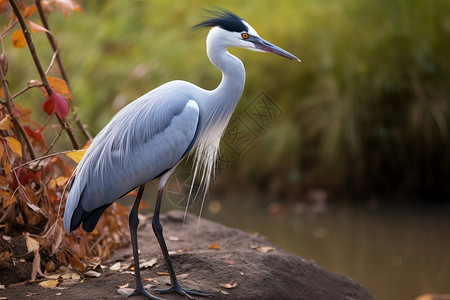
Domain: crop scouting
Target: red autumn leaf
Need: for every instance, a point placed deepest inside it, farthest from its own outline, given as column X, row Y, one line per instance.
column 56, row 104
column 22, row 175
column 34, row 134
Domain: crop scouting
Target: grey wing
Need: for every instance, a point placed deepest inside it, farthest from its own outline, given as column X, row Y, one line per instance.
column 144, row 140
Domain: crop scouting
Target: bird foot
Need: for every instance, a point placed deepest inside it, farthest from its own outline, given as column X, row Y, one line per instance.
column 185, row 292
column 143, row 292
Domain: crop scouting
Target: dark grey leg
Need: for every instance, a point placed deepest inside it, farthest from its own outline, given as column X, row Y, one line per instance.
column 134, row 222
column 175, row 286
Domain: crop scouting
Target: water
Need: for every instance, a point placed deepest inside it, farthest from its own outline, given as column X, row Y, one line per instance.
column 396, row 253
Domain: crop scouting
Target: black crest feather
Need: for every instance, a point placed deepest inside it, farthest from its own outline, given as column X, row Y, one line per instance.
column 225, row 19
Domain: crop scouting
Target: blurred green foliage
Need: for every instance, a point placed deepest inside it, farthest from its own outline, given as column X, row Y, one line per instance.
column 366, row 112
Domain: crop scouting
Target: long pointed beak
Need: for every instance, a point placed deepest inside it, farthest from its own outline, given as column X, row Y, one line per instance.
column 265, row 46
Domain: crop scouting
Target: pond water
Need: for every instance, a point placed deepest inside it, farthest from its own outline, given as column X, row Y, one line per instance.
column 396, row 253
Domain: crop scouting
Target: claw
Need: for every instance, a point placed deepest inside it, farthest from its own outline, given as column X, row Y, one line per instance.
column 184, row 292
column 143, row 292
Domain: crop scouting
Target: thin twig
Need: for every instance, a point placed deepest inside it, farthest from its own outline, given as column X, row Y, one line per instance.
column 26, row 89
column 44, row 157
column 54, row 141
column 40, row 70
column 11, row 26
column 16, row 121
column 52, row 62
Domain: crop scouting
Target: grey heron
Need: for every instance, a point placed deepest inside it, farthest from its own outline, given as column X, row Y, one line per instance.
column 149, row 137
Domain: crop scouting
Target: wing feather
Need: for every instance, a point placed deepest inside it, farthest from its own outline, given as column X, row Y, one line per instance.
column 145, row 139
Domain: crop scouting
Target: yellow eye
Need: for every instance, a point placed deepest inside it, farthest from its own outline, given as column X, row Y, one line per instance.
column 244, row 35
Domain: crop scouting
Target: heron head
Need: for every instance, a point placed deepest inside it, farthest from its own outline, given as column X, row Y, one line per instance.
column 232, row 31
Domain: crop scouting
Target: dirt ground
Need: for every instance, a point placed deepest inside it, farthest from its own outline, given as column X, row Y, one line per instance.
column 227, row 262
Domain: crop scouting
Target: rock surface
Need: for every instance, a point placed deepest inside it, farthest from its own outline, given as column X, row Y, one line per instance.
column 228, row 262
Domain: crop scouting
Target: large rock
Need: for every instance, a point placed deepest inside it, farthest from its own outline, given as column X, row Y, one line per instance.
column 260, row 269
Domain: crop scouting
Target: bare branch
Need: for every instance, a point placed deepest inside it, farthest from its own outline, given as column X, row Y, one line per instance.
column 40, row 70
column 54, row 45
column 16, row 121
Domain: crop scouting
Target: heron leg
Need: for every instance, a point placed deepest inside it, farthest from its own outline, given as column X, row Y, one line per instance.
column 134, row 222
column 175, row 286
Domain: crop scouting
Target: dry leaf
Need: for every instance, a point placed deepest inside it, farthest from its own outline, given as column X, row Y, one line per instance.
column 92, row 273
column 229, row 262
column 125, row 292
column 231, row 285
column 15, row 146
column 7, row 201
column 175, row 239
column 115, row 267
column 29, row 11
column 61, row 180
column 162, row 273
column 32, row 244
column 18, row 39
column 49, row 283
column 6, row 123
column 76, row 155
column 263, row 249
column 183, row 276
column 36, row 27
column 124, row 286
column 59, row 86
column 53, row 276
column 214, row 246
column 224, row 293
column 5, row 255
column 76, row 264
column 148, row 264
column 36, row 267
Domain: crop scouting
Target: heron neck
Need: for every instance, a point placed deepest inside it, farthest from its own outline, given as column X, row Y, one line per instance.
column 230, row 89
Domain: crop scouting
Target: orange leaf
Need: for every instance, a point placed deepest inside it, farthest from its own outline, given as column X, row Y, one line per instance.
column 18, row 39
column 7, row 201
column 7, row 167
column 6, row 123
column 36, row 27
column 29, row 11
column 77, row 265
column 15, row 146
column 61, row 180
column 5, row 194
column 2, row 93
column 214, row 246
column 59, row 86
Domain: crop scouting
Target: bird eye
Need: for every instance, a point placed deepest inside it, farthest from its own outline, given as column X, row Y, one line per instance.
column 244, row 35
